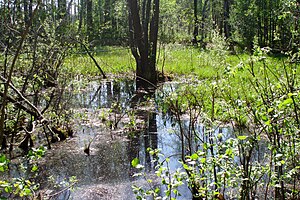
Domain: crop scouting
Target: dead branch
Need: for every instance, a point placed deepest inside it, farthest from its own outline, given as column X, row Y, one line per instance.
column 91, row 56
column 37, row 112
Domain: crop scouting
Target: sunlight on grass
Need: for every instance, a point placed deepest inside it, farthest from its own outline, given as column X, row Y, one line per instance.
column 111, row 60
column 171, row 59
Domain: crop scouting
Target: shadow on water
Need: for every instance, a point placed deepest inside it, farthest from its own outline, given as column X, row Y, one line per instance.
column 107, row 172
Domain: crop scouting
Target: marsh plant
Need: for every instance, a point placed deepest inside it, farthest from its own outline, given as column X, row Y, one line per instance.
column 22, row 186
column 259, row 103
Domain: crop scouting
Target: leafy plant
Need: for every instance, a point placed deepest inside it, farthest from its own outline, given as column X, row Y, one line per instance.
column 23, row 186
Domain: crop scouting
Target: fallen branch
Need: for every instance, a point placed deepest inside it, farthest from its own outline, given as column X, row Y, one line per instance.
column 61, row 191
column 91, row 56
column 37, row 112
column 19, row 105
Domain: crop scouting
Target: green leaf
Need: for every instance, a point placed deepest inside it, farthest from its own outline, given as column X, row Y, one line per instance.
column 202, row 160
column 205, row 146
column 270, row 110
column 157, row 190
column 8, row 189
column 34, row 168
column 3, row 158
column 135, row 162
column 229, row 152
column 185, row 166
column 194, row 156
column 242, row 137
column 286, row 102
column 27, row 191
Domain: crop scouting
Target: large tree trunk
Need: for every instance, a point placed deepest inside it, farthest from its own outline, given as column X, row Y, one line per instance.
column 143, row 42
column 26, row 17
column 205, row 9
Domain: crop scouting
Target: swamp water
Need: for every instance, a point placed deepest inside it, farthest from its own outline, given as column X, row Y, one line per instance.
column 107, row 173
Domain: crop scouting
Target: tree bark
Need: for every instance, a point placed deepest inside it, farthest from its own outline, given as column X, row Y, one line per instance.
column 226, row 18
column 143, row 42
column 196, row 23
column 89, row 20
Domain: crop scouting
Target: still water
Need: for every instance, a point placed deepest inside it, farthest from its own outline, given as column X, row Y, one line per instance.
column 107, row 172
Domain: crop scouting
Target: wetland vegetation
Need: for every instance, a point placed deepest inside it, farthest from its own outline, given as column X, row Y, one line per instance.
column 161, row 99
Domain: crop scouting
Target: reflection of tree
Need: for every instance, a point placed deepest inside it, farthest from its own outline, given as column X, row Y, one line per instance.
column 108, row 94
column 95, row 96
column 116, row 90
column 133, row 152
column 136, row 149
column 150, row 138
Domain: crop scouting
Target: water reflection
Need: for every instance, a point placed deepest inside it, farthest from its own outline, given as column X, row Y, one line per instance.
column 107, row 172
column 108, row 168
column 103, row 94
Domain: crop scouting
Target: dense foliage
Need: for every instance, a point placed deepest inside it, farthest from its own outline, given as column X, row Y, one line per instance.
column 258, row 159
column 105, row 22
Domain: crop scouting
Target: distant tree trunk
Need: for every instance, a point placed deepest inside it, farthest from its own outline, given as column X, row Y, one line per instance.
column 26, row 16
column 107, row 6
column 196, row 23
column 204, row 16
column 89, row 20
column 226, row 18
column 62, row 9
column 259, row 21
column 100, row 13
column 266, row 24
column 30, row 9
column 143, row 42
column 81, row 14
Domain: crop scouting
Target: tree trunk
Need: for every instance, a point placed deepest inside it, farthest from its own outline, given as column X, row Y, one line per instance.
column 26, row 16
column 81, row 14
column 62, row 9
column 226, row 18
column 89, row 20
column 205, row 9
column 143, row 42
column 196, row 23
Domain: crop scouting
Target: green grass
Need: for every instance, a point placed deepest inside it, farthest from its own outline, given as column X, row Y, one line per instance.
column 111, row 59
column 177, row 60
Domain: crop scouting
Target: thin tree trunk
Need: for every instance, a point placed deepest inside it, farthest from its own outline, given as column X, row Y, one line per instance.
column 196, row 23
column 89, row 20
column 226, row 18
